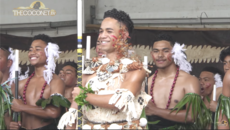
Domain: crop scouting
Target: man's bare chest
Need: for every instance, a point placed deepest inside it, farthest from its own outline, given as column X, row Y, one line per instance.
column 165, row 92
column 34, row 91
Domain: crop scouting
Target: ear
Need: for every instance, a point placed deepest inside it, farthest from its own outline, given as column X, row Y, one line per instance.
column 9, row 63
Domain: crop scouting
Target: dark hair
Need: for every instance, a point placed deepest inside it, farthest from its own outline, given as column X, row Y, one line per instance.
column 122, row 17
column 5, row 49
column 164, row 36
column 72, row 64
column 224, row 53
column 213, row 70
column 43, row 37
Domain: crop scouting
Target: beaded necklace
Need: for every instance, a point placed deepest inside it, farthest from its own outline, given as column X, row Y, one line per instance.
column 27, row 82
column 171, row 92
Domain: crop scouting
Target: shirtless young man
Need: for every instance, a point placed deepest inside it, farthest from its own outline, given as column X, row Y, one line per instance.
column 70, row 77
column 129, row 89
column 209, row 77
column 225, row 59
column 222, row 120
column 5, row 65
column 39, row 87
column 169, row 85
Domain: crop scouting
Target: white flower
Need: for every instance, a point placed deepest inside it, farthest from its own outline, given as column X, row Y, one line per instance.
column 143, row 122
column 115, row 126
column 86, row 127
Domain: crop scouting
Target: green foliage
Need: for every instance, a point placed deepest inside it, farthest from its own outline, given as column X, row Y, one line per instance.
column 80, row 99
column 224, row 107
column 6, row 98
column 56, row 100
column 200, row 114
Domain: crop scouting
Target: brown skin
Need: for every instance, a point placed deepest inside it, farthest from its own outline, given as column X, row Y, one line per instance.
column 166, row 72
column 207, row 82
column 61, row 74
column 225, row 92
column 98, row 50
column 132, row 79
column 226, row 63
column 70, row 78
column 5, row 65
column 32, row 115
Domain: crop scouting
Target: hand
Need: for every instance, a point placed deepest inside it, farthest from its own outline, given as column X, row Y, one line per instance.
column 151, row 108
column 16, row 105
column 76, row 91
column 212, row 106
column 15, row 125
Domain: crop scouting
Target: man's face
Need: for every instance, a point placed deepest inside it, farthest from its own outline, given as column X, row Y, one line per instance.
column 61, row 74
column 226, row 63
column 37, row 56
column 207, row 82
column 99, row 51
column 161, row 54
column 69, row 75
column 5, row 64
column 108, row 34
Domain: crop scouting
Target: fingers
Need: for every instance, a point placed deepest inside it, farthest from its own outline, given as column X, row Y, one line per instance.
column 15, row 125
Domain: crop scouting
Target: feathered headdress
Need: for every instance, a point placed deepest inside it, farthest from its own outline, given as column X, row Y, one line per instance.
column 12, row 68
column 180, row 58
column 218, row 81
column 52, row 53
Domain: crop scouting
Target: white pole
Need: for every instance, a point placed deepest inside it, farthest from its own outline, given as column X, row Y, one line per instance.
column 214, row 93
column 88, row 47
column 83, row 63
column 79, row 18
column 83, row 16
column 146, row 62
column 16, row 60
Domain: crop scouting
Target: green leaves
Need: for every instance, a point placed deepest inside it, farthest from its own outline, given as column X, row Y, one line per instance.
column 200, row 114
column 80, row 99
column 6, row 98
column 224, row 107
column 56, row 100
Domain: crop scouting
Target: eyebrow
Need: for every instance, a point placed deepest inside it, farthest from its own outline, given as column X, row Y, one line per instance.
column 106, row 29
column 162, row 49
column 36, row 47
column 69, row 70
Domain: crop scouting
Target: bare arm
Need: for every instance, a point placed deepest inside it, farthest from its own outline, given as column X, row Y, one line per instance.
column 57, row 86
column 191, row 87
column 133, row 82
column 226, row 84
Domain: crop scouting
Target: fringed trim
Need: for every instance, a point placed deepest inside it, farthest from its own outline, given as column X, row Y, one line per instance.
column 68, row 118
column 125, row 101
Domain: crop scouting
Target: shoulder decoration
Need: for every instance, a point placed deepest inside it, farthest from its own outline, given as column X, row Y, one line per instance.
column 224, row 107
column 203, row 117
column 180, row 59
column 52, row 53
column 55, row 99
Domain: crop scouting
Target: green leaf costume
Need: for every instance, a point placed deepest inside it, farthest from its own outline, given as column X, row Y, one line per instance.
column 224, row 107
column 200, row 114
